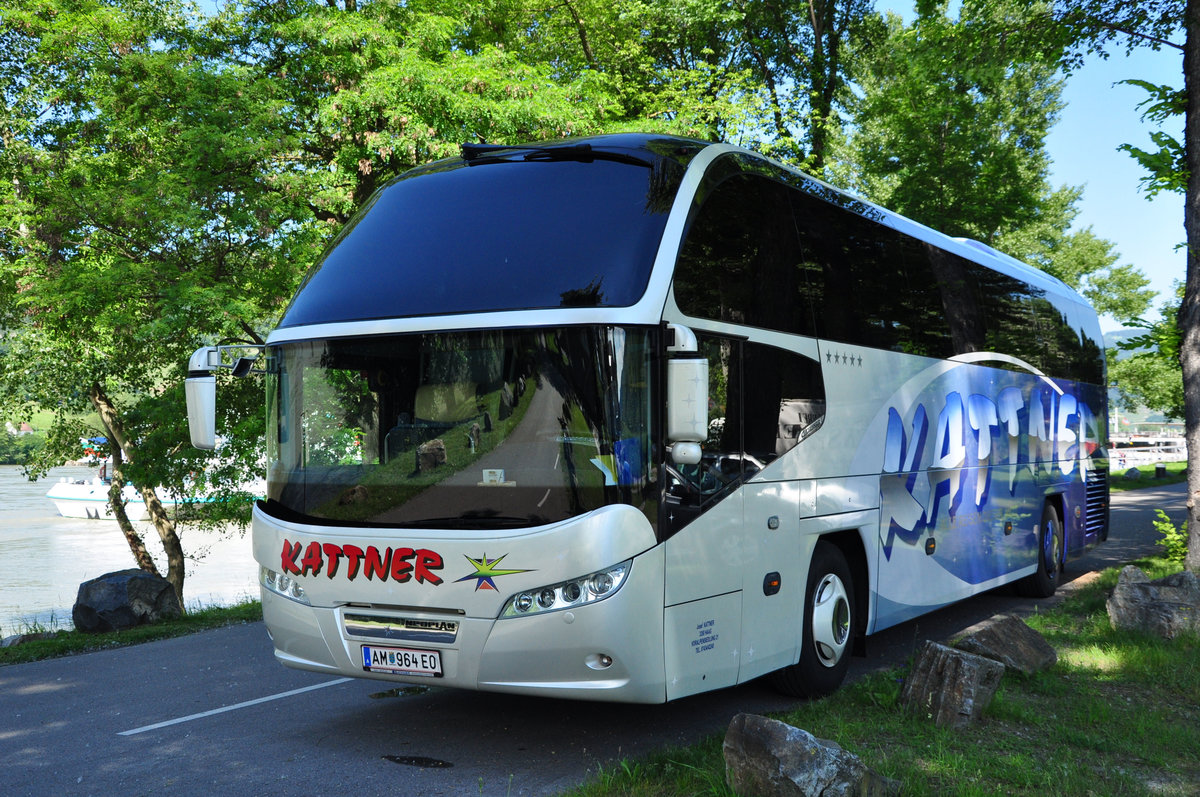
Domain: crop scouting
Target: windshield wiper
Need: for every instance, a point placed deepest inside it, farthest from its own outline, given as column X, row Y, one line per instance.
column 479, row 154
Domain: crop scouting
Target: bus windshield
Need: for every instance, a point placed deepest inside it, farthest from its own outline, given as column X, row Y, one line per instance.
column 503, row 235
column 484, row 430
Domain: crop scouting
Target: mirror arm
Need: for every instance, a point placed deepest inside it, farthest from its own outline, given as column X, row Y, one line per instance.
column 200, row 389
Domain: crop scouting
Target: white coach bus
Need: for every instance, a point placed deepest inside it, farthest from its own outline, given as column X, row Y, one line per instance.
column 635, row 417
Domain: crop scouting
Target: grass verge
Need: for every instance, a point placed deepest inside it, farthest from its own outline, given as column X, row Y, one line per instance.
column 1176, row 473
column 1118, row 715
column 68, row 643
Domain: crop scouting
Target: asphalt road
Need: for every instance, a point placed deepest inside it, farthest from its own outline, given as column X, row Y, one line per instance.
column 214, row 714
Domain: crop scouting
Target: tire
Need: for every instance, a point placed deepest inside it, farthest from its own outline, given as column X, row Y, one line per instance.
column 830, row 617
column 1044, row 582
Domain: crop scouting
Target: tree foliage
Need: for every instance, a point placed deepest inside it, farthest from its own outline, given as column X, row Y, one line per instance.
column 140, row 225
column 1096, row 26
column 1145, row 368
column 951, row 132
column 954, row 116
column 1166, row 167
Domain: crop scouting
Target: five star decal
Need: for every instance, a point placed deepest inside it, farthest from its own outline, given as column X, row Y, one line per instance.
column 841, row 358
column 486, row 570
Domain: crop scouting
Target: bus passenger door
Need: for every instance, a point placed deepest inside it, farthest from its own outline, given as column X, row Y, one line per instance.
column 702, row 513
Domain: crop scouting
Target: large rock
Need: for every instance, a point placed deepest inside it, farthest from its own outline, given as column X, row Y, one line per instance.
column 769, row 758
column 1008, row 640
column 951, row 687
column 124, row 599
column 1164, row 608
column 21, row 639
column 431, row 455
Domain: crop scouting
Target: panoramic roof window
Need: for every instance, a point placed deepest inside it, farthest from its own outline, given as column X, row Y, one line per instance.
column 501, row 233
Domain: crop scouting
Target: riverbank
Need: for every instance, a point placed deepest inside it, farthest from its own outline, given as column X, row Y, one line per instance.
column 47, row 556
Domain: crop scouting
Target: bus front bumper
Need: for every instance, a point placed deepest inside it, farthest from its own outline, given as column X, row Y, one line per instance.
column 611, row 650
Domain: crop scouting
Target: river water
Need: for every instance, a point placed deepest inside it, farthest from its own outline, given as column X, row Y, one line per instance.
column 44, row 557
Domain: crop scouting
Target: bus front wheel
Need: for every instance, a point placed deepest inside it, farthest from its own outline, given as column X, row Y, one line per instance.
column 1044, row 581
column 829, row 621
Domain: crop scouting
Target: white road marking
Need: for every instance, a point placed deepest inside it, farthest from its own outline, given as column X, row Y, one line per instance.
column 222, row 710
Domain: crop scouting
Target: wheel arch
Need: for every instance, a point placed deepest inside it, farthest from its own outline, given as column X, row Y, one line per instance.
column 850, row 542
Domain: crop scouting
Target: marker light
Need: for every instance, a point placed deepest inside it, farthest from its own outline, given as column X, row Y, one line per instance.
column 568, row 594
column 282, row 584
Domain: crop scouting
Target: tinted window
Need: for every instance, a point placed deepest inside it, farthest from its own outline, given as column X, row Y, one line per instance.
column 872, row 286
column 500, row 235
column 785, row 403
column 420, row 430
column 741, row 261
column 773, row 249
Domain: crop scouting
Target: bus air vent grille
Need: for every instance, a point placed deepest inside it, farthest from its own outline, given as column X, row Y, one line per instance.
column 1096, row 506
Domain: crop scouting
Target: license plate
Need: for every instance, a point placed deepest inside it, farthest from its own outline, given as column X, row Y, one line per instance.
column 402, row 661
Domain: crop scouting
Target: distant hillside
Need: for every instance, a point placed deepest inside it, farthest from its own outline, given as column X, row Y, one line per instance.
column 1117, row 335
column 1111, row 339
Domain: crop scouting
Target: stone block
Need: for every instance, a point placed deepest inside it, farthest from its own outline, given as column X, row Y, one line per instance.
column 1165, row 608
column 951, row 687
column 1008, row 640
column 769, row 758
column 124, row 599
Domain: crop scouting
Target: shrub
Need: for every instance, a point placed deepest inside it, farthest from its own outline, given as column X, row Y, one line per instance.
column 1175, row 540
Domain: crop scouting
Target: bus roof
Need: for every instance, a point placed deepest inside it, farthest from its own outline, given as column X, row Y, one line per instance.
column 515, row 229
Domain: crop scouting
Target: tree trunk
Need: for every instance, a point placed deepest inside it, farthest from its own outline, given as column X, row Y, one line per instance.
column 111, row 418
column 583, row 37
column 170, row 539
column 136, row 545
column 1189, row 310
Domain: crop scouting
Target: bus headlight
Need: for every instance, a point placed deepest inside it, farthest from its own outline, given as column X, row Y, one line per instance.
column 282, row 584
column 568, row 594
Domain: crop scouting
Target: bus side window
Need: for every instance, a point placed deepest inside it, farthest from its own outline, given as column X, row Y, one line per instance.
column 786, row 404
column 762, row 402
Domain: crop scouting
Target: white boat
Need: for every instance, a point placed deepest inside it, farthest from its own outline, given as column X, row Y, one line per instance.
column 88, row 498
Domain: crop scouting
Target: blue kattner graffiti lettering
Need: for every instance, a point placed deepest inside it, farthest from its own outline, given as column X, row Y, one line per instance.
column 975, row 437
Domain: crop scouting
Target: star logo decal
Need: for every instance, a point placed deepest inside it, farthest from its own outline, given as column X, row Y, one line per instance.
column 486, row 570
column 842, row 358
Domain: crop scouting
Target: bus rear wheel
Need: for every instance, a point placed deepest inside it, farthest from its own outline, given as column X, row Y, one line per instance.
column 829, row 621
column 1044, row 581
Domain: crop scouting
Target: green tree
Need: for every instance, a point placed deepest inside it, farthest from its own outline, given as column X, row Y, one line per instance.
column 954, row 116
column 1145, row 368
column 139, row 226
column 798, row 53
column 371, row 90
column 1096, row 26
column 951, row 133
column 768, row 75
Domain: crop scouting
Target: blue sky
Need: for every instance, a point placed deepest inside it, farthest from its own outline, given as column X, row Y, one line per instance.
column 1100, row 116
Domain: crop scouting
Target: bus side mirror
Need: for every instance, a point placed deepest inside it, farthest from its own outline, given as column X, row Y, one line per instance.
column 687, row 408
column 201, row 391
column 687, row 398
